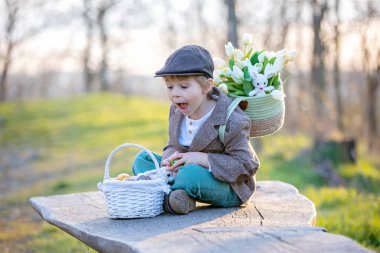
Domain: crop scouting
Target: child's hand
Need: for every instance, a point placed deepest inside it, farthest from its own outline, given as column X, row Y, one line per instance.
column 170, row 160
column 198, row 158
column 165, row 163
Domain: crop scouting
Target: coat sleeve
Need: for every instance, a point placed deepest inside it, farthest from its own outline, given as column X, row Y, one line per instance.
column 169, row 149
column 238, row 159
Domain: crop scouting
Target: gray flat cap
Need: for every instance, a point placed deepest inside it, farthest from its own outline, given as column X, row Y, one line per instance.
column 188, row 60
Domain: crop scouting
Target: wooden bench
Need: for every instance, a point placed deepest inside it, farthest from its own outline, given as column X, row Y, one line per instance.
column 278, row 219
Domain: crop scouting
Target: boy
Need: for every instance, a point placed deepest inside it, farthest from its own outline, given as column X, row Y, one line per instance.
column 207, row 170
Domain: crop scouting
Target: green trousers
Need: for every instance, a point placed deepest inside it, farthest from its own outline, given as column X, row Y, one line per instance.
column 196, row 180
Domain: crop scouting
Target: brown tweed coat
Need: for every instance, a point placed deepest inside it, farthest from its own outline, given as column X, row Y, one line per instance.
column 235, row 162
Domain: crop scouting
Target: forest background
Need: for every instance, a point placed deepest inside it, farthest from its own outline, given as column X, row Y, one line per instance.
column 74, row 72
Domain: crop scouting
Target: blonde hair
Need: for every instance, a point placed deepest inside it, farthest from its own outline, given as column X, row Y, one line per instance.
column 201, row 80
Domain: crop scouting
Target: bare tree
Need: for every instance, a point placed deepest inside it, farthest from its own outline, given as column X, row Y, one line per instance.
column 370, row 42
column 102, row 10
column 137, row 17
column 298, row 86
column 202, row 23
column 12, row 10
column 88, row 74
column 336, row 71
column 270, row 27
column 278, row 24
column 170, row 28
column 232, row 22
column 319, row 8
column 285, row 23
column 23, row 20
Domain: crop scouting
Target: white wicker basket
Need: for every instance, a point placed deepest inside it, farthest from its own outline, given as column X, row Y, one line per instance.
column 134, row 199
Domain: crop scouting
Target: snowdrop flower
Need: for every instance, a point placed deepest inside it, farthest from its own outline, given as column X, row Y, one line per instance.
column 255, row 70
column 286, row 55
column 239, row 54
column 226, row 72
column 290, row 56
column 229, row 49
column 223, row 87
column 281, row 53
column 239, row 63
column 229, row 79
column 219, row 63
column 216, row 76
column 262, row 56
column 277, row 94
column 247, row 39
column 237, row 75
column 217, row 72
column 247, row 63
column 271, row 55
column 258, row 66
column 272, row 69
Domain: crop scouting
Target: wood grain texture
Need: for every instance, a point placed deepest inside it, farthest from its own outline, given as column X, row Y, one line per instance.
column 278, row 219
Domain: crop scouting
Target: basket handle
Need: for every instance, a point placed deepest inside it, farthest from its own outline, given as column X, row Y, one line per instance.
column 106, row 167
column 231, row 108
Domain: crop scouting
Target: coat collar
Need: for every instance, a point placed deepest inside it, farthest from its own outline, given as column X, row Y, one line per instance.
column 219, row 115
column 208, row 131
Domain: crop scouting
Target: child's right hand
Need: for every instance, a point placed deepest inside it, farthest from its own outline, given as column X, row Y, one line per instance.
column 167, row 162
column 170, row 161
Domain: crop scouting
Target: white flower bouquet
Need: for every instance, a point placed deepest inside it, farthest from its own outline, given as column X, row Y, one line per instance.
column 254, row 77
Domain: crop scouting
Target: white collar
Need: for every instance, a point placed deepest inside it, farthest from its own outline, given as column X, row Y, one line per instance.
column 200, row 121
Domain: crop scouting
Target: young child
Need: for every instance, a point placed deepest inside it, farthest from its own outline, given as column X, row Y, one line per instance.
column 207, row 170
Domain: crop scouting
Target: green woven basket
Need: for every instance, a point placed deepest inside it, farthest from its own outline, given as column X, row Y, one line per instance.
column 266, row 113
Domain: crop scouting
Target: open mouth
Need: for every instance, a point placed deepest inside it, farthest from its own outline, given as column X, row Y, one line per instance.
column 182, row 106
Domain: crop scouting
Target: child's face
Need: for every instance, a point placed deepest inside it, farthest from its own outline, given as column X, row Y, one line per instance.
column 189, row 97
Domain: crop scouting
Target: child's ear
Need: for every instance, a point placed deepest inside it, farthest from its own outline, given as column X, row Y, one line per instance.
column 210, row 85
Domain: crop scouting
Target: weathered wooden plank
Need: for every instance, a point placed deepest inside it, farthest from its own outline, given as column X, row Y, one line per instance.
column 250, row 239
column 267, row 224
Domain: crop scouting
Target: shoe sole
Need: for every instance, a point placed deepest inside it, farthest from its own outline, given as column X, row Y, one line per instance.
column 180, row 202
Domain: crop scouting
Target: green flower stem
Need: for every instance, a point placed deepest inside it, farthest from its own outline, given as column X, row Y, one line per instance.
column 271, row 80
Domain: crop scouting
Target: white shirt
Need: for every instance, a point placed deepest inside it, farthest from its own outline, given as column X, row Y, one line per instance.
column 190, row 127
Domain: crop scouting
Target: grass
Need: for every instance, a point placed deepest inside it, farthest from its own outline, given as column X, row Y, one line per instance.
column 57, row 147
column 352, row 210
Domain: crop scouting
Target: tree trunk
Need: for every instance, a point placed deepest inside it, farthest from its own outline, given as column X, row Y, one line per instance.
column 338, row 97
column 88, row 75
column 202, row 23
column 371, row 66
column 271, row 28
column 3, row 88
column 103, row 72
column 318, row 65
column 4, row 72
column 11, row 12
column 170, row 31
column 232, row 22
column 285, row 24
column 373, row 84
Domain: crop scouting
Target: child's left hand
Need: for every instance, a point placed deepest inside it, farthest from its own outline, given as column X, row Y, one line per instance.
column 198, row 158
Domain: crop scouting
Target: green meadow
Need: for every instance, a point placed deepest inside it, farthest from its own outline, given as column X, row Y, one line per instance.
column 57, row 147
